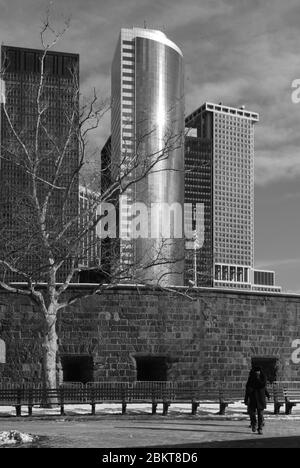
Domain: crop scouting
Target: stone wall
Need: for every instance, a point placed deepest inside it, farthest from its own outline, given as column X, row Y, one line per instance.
column 213, row 337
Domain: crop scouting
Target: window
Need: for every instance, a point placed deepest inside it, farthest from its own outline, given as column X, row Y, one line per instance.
column 49, row 63
column 269, row 366
column 151, row 368
column 29, row 61
column 12, row 60
column 77, row 368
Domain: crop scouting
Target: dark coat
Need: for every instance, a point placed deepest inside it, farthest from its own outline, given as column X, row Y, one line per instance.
column 256, row 392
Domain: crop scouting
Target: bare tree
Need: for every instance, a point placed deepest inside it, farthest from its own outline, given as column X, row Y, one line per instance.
column 45, row 236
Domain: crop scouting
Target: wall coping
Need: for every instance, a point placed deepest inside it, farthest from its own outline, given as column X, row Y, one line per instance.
column 183, row 289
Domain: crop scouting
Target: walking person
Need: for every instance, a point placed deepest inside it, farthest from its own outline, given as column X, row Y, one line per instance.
column 255, row 398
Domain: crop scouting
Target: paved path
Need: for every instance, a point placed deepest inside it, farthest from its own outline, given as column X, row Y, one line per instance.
column 158, row 431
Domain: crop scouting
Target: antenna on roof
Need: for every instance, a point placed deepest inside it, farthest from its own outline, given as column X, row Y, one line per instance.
column 145, row 24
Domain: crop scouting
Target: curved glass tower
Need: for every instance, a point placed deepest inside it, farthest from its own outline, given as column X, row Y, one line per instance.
column 147, row 147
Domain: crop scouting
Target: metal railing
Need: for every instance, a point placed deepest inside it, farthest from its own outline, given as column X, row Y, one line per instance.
column 195, row 392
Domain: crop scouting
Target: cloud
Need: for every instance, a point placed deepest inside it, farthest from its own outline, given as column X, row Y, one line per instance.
column 290, row 196
column 235, row 51
column 270, row 168
column 251, row 57
column 265, row 264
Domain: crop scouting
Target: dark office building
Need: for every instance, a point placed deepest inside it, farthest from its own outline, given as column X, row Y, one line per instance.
column 24, row 150
column 198, row 189
column 110, row 247
column 106, row 175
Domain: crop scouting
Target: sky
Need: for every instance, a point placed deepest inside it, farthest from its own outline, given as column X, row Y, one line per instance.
column 239, row 52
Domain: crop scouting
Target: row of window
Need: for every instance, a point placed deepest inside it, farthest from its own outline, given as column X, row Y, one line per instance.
column 232, row 273
column 236, row 119
column 16, row 60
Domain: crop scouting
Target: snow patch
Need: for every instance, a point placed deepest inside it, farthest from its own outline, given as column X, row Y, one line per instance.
column 16, row 437
column 234, row 411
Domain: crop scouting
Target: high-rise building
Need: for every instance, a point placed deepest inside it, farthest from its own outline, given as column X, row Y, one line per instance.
column 219, row 158
column 198, row 189
column 91, row 244
column 147, row 145
column 54, row 145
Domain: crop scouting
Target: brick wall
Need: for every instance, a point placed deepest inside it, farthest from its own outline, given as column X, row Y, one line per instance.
column 212, row 338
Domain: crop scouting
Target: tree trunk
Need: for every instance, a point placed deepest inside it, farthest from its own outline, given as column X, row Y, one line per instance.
column 50, row 348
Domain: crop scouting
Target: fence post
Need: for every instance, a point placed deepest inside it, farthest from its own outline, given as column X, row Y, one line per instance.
column 223, row 407
column 195, row 405
column 154, row 407
column 125, row 395
column 93, row 404
column 30, row 401
column 44, row 402
column 166, row 405
column 19, row 404
column 62, row 401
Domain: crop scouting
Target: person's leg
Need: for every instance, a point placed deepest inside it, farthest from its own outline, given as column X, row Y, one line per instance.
column 260, row 420
column 248, row 412
column 252, row 414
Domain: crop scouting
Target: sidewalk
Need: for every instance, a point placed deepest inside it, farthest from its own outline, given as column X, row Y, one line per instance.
column 109, row 429
column 148, row 432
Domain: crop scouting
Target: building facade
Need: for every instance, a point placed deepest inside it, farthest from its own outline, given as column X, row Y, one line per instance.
column 147, row 145
column 221, row 176
column 198, row 189
column 54, row 145
column 91, row 244
column 129, row 334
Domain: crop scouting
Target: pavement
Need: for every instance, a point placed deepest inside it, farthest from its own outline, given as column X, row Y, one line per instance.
column 147, row 431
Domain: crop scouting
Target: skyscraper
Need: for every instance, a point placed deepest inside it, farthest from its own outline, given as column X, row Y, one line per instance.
column 147, row 144
column 53, row 145
column 198, row 189
column 91, row 245
column 219, row 155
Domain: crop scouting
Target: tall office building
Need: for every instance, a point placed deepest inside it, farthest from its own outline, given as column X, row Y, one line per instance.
column 219, row 157
column 147, row 132
column 198, row 189
column 20, row 78
column 91, row 244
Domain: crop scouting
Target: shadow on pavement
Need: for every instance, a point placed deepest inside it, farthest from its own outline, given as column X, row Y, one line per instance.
column 255, row 442
column 200, row 424
column 176, row 429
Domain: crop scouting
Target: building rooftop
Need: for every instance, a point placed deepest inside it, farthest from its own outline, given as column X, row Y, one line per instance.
column 221, row 109
column 154, row 35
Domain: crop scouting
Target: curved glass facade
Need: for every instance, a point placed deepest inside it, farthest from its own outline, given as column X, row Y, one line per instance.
column 147, row 127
